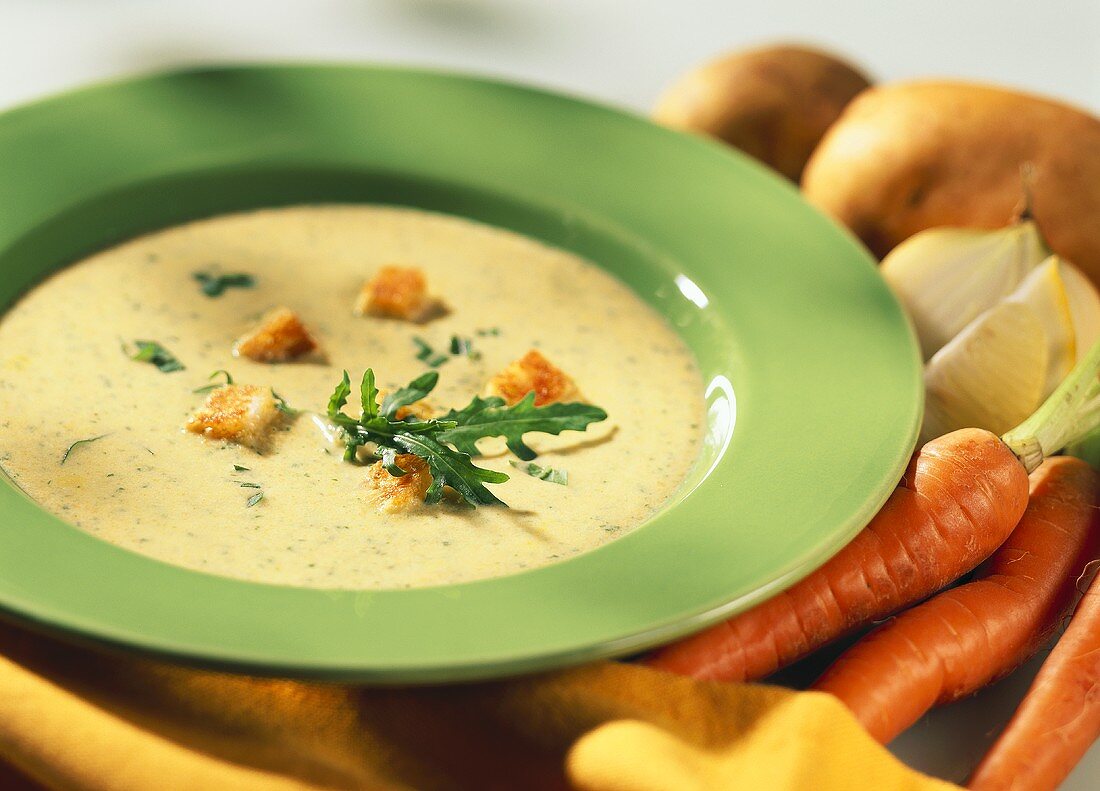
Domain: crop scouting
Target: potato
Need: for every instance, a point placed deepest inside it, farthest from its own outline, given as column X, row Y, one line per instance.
column 773, row 103
column 911, row 156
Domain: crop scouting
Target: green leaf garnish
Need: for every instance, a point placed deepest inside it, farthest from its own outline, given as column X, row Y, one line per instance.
column 448, row 443
column 368, row 395
column 216, row 385
column 68, row 450
column 254, row 499
column 282, row 405
column 542, row 473
column 339, row 396
column 490, row 418
column 153, row 352
column 453, row 468
column 416, row 389
column 214, row 285
column 389, row 461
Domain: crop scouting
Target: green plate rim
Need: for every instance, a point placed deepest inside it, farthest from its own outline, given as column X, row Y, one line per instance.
column 682, row 201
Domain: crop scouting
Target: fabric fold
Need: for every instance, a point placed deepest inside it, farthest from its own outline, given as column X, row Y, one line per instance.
column 82, row 718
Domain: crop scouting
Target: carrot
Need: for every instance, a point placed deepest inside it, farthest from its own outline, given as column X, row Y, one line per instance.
column 959, row 641
column 1059, row 718
column 960, row 497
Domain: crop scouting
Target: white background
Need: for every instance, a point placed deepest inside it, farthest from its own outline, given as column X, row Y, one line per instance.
column 619, row 51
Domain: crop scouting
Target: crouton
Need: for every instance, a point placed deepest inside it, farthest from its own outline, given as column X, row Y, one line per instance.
column 393, row 493
column 239, row 413
column 398, row 292
column 533, row 372
column 279, row 336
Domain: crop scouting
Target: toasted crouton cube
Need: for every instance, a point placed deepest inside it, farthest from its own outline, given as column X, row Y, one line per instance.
column 239, row 413
column 279, row 336
column 533, row 372
column 393, row 493
column 398, row 292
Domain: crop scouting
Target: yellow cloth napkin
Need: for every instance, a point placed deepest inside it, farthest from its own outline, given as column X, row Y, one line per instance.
column 81, row 718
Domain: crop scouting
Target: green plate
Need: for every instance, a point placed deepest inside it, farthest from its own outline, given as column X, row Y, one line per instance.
column 813, row 378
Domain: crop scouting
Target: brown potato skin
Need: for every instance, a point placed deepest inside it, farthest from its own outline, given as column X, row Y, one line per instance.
column 910, row 156
column 773, row 103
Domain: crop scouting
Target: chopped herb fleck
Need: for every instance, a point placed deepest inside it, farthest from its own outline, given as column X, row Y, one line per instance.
column 542, row 473
column 153, row 352
column 464, row 346
column 247, row 485
column 216, row 385
column 424, row 349
column 254, row 499
column 214, row 285
column 494, row 331
column 68, row 450
column 426, row 354
column 239, row 468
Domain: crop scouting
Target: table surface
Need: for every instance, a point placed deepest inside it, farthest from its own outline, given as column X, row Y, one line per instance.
column 617, row 51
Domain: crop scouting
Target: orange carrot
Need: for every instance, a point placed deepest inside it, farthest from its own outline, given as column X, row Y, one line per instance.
column 959, row 499
column 1059, row 717
column 959, row 641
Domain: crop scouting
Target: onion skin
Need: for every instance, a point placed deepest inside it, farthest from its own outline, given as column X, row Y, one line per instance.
column 910, row 156
column 774, row 103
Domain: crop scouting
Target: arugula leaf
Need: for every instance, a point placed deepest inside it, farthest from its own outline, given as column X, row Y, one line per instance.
column 350, row 425
column 368, row 394
column 214, row 285
column 339, row 399
column 447, row 443
column 416, row 389
column 474, row 408
column 153, row 352
column 389, row 461
column 542, row 473
column 480, row 420
column 282, row 405
column 68, row 450
column 216, row 385
column 452, row 468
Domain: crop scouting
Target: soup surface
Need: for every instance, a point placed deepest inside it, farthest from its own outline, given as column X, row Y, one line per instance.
column 147, row 485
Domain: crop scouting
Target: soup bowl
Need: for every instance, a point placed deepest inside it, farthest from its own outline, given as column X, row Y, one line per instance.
column 813, row 385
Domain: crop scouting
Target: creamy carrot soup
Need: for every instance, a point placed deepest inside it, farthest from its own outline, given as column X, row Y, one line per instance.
column 296, row 511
